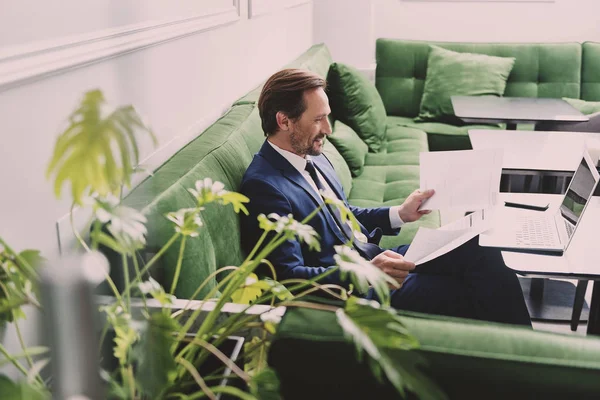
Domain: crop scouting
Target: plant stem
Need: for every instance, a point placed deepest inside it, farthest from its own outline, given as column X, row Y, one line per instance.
column 22, row 342
column 26, row 352
column 204, row 283
column 154, row 259
column 136, row 266
column 113, row 287
column 194, row 372
column 223, row 389
column 257, row 245
column 30, row 270
column 224, row 359
column 126, row 277
column 77, row 235
column 178, row 267
column 131, row 381
column 96, row 230
column 34, row 351
column 312, row 214
column 233, row 285
column 13, row 360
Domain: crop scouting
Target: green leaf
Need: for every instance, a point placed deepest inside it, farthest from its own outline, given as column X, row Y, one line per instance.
column 249, row 291
column 345, row 213
column 265, row 385
column 125, row 334
column 96, row 151
column 379, row 332
column 32, row 257
column 237, row 200
column 156, row 367
column 10, row 390
column 276, row 288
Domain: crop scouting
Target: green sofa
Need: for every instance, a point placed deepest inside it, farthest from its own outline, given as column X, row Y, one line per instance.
column 541, row 70
column 462, row 352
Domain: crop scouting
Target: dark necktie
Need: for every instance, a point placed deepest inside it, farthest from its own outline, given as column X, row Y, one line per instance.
column 366, row 250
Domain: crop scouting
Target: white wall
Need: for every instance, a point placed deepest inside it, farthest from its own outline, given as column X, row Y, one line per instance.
column 350, row 31
column 180, row 86
column 562, row 20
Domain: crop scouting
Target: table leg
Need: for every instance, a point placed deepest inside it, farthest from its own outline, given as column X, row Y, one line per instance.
column 593, row 327
column 537, row 288
column 578, row 303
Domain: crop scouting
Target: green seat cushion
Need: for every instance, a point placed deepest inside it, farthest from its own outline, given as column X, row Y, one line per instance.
column 355, row 101
column 467, row 359
column 585, row 107
column 350, row 146
column 452, row 73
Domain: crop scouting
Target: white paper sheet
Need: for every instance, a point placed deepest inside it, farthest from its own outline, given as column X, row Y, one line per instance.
column 466, row 180
column 429, row 244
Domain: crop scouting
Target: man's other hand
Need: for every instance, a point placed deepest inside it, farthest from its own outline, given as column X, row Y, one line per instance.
column 409, row 210
column 394, row 265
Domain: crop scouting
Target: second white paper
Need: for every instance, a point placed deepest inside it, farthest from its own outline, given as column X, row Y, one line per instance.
column 466, row 179
column 429, row 244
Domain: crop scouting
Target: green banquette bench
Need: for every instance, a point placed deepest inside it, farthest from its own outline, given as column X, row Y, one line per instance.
column 467, row 358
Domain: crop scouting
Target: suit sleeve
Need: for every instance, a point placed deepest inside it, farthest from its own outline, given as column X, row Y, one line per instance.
column 372, row 218
column 287, row 258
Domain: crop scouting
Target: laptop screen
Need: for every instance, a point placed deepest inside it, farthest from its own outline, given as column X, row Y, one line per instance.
column 579, row 192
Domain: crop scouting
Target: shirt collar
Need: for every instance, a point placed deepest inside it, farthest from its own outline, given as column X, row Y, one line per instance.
column 297, row 162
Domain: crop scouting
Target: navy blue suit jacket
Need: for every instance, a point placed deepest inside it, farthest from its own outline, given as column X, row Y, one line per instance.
column 275, row 186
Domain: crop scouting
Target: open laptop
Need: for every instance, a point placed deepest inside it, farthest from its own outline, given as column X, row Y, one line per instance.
column 551, row 233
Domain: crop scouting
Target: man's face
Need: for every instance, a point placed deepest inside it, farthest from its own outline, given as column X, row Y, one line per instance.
column 307, row 134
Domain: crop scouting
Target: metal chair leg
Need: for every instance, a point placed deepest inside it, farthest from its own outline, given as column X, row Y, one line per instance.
column 578, row 303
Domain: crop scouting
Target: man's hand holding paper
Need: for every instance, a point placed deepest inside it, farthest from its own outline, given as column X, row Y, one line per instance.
column 410, row 211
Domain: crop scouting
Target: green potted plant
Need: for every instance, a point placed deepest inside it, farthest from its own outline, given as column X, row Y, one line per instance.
column 162, row 353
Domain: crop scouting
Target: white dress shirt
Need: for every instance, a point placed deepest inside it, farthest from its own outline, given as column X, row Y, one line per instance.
column 300, row 164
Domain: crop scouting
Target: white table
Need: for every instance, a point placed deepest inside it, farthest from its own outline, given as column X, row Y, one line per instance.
column 513, row 110
column 538, row 153
column 580, row 261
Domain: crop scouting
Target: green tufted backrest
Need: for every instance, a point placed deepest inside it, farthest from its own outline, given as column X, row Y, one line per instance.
column 222, row 152
column 590, row 72
column 540, row 70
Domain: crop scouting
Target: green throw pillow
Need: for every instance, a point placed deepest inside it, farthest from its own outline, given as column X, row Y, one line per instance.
column 585, row 107
column 355, row 101
column 450, row 73
column 350, row 146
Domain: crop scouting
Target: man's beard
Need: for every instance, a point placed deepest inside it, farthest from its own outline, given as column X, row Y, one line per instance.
column 302, row 149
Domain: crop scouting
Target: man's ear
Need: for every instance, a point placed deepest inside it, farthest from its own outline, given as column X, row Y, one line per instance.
column 282, row 121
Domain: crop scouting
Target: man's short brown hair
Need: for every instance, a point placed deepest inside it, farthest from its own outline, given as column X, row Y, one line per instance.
column 284, row 91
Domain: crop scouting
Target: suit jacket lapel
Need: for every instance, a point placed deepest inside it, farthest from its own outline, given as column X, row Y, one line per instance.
column 291, row 173
column 332, row 180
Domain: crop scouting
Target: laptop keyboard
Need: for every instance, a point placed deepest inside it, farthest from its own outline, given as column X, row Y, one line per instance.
column 537, row 232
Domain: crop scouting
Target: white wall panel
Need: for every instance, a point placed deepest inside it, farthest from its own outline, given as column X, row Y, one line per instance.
column 180, row 86
column 261, row 7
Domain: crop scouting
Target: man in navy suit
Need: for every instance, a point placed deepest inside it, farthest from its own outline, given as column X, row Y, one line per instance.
column 288, row 172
